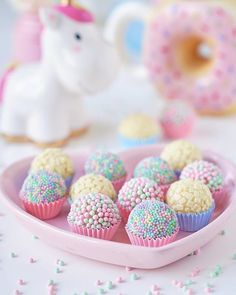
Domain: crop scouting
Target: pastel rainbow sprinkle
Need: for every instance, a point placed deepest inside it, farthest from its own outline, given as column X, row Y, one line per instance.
column 43, row 187
column 206, row 172
column 106, row 164
column 152, row 220
column 155, row 169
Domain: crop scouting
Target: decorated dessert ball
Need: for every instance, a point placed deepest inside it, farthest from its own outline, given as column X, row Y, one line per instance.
column 94, row 215
column 205, row 171
column 43, row 194
column 193, row 203
column 54, row 160
column 177, row 120
column 92, row 183
column 156, row 169
column 209, row 174
column 152, row 223
column 135, row 191
column 180, row 153
column 108, row 165
column 138, row 129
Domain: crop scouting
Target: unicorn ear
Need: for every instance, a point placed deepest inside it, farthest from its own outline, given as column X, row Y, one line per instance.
column 50, row 18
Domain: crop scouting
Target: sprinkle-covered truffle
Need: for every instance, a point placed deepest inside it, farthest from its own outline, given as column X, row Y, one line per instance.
column 189, row 196
column 137, row 190
column 155, row 169
column 106, row 164
column 43, row 187
column 53, row 160
column 94, row 211
column 177, row 119
column 152, row 220
column 92, row 183
column 139, row 126
column 180, row 153
column 206, row 172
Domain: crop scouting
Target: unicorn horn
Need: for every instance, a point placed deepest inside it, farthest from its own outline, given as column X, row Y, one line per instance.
column 67, row 2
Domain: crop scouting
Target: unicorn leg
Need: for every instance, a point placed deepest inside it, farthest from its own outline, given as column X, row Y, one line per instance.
column 48, row 126
column 12, row 123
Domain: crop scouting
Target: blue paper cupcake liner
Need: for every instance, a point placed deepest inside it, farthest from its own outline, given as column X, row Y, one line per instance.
column 68, row 181
column 130, row 143
column 191, row 222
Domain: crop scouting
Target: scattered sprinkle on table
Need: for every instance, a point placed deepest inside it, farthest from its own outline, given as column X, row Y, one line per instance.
column 134, row 277
column 21, row 282
column 119, row 280
column 101, row 291
column 98, row 283
column 110, row 285
column 13, row 255
column 234, row 256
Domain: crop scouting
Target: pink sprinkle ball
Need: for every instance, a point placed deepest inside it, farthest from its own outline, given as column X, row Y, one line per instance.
column 177, row 120
column 207, row 172
column 137, row 190
column 94, row 211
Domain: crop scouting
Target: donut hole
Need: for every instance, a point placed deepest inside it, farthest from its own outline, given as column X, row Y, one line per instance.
column 194, row 55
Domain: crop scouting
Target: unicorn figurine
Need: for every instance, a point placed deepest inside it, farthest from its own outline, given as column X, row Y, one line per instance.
column 42, row 102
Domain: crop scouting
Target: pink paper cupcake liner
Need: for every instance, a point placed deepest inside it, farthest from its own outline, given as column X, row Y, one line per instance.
column 119, row 183
column 219, row 196
column 123, row 212
column 104, row 234
column 151, row 242
column 192, row 222
column 44, row 211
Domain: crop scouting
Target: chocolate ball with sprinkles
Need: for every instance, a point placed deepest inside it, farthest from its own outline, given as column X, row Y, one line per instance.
column 208, row 173
column 109, row 165
column 94, row 215
column 43, row 194
column 156, row 169
column 135, row 191
column 152, row 224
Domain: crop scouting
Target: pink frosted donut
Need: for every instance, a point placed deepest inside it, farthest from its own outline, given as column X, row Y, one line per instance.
column 191, row 54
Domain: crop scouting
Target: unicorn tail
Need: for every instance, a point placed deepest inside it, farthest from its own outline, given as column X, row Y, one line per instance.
column 4, row 78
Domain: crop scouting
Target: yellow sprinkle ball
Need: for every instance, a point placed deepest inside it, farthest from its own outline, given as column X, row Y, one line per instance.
column 189, row 196
column 91, row 183
column 180, row 153
column 53, row 160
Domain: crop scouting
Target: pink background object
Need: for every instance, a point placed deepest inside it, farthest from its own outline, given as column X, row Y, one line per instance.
column 27, row 39
column 119, row 251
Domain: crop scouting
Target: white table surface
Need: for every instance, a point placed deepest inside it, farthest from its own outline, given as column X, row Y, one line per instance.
column 129, row 93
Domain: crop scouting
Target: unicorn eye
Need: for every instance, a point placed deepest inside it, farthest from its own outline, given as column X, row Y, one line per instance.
column 78, row 36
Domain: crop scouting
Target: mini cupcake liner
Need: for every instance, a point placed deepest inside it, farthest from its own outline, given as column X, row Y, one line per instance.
column 44, row 211
column 219, row 196
column 177, row 173
column 118, row 183
column 133, row 142
column 68, row 181
column 151, row 242
column 123, row 212
column 191, row 222
column 104, row 234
